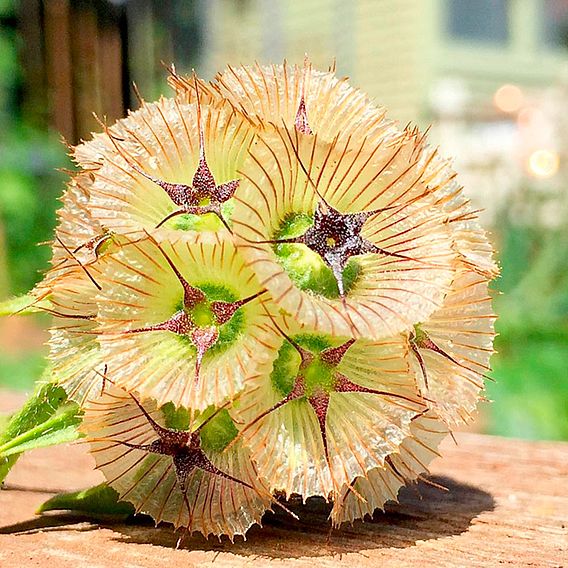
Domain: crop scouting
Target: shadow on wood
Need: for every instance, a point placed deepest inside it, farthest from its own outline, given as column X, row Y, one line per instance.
column 48, row 523
column 424, row 513
column 515, row 515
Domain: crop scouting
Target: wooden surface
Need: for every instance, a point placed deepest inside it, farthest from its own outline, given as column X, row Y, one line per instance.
column 507, row 504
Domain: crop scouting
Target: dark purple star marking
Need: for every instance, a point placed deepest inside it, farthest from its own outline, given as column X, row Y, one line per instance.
column 181, row 323
column 203, row 195
column 336, row 237
column 319, row 398
column 419, row 339
column 184, row 448
column 301, row 119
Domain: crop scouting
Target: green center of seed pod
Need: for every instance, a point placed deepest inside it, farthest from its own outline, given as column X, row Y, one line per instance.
column 304, row 266
column 202, row 223
column 318, row 375
column 175, row 418
column 219, row 432
column 215, row 435
column 419, row 334
column 203, row 316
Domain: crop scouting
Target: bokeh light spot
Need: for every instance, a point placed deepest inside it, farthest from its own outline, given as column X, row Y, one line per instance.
column 508, row 98
column 543, row 163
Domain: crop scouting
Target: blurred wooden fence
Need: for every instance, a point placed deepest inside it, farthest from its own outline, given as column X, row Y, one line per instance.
column 73, row 61
column 81, row 56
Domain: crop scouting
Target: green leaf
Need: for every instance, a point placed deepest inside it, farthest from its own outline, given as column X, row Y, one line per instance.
column 4, row 419
column 59, row 429
column 61, row 436
column 22, row 305
column 99, row 500
column 45, row 419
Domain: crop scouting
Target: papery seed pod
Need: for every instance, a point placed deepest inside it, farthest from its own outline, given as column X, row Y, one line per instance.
column 182, row 321
column 469, row 239
column 76, row 228
column 173, row 468
column 315, row 101
column 79, row 238
column 453, row 347
column 327, row 410
column 71, row 286
column 366, row 494
column 350, row 246
column 74, row 352
column 168, row 163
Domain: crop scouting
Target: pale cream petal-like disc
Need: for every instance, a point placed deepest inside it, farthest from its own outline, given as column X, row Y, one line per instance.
column 470, row 239
column 76, row 234
column 382, row 484
column 140, row 289
column 464, row 330
column 76, row 223
column 390, row 293
column 361, row 428
column 162, row 140
column 217, row 505
column 273, row 93
column 74, row 351
column 288, row 450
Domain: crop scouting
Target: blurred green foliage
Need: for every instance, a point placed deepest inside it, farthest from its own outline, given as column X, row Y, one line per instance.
column 531, row 368
column 20, row 371
column 29, row 186
column 29, row 180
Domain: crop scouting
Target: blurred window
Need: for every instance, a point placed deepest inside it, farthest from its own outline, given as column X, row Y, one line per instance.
column 479, row 20
column 555, row 23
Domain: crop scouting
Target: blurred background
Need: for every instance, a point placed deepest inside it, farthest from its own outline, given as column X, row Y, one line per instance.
column 490, row 76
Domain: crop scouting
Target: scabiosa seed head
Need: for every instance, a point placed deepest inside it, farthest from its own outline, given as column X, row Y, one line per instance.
column 329, row 409
column 169, row 164
column 346, row 244
column 174, row 466
column 264, row 285
column 451, row 350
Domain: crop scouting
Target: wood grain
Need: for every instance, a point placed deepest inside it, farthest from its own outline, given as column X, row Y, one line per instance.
column 506, row 504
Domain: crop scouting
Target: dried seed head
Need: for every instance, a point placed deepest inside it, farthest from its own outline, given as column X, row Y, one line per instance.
column 451, row 350
column 393, row 267
column 203, row 195
column 271, row 244
column 181, row 322
column 180, row 475
column 170, row 164
column 316, row 394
